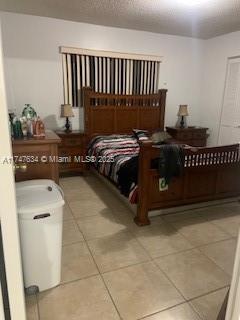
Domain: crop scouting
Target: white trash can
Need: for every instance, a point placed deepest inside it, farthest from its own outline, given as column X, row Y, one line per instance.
column 40, row 214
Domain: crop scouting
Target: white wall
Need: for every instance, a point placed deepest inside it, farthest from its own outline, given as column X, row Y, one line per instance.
column 217, row 50
column 34, row 71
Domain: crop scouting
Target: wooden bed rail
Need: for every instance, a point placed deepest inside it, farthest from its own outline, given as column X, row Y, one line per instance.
column 211, row 156
column 209, row 173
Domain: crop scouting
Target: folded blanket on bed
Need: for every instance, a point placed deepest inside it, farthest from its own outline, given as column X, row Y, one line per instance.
column 170, row 161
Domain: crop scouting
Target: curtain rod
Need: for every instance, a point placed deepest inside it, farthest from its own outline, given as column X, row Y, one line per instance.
column 110, row 54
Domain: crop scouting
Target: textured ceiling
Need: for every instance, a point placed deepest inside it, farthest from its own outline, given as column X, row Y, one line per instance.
column 195, row 18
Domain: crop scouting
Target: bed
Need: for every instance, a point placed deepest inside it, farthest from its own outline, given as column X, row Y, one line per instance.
column 111, row 153
column 209, row 173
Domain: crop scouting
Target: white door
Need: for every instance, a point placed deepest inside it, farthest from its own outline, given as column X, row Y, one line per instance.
column 229, row 131
column 8, row 214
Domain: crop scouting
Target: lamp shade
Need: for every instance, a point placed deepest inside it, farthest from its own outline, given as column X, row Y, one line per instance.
column 183, row 111
column 67, row 111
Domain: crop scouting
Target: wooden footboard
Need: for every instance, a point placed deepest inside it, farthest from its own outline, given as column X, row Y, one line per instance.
column 209, row 174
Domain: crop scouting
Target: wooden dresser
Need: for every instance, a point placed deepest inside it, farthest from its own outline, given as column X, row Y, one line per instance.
column 193, row 136
column 38, row 156
column 73, row 145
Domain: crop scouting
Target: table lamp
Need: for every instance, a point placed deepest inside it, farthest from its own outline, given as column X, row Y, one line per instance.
column 67, row 112
column 182, row 112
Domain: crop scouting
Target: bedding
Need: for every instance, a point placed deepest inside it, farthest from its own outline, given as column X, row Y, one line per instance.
column 160, row 137
column 110, row 153
column 116, row 157
column 141, row 135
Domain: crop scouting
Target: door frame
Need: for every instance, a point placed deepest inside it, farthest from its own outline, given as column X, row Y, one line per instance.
column 229, row 59
column 233, row 307
column 8, row 211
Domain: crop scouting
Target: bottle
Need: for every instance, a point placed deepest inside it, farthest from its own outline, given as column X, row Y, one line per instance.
column 17, row 129
column 23, row 121
column 34, row 120
column 29, row 128
column 39, row 128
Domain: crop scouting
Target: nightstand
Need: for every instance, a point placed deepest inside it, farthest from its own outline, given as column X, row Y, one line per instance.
column 73, row 149
column 193, row 136
column 34, row 153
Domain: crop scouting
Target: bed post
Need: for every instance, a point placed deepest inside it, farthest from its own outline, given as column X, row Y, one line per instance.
column 141, row 218
column 163, row 94
column 86, row 104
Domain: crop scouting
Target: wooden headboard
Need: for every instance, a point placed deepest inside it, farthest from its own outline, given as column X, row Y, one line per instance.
column 115, row 113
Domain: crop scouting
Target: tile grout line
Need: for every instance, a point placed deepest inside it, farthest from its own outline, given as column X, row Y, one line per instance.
column 200, row 316
column 186, row 300
column 203, row 245
column 204, row 207
column 38, row 306
column 159, row 312
column 177, row 305
column 199, row 215
column 133, row 264
column 228, row 233
column 205, row 294
column 201, row 296
column 111, row 298
column 150, row 258
column 100, row 274
column 224, row 216
column 198, row 248
column 38, row 309
column 189, row 249
column 225, row 272
column 136, row 236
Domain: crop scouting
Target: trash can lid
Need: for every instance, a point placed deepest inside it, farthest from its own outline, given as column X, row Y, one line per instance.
column 38, row 196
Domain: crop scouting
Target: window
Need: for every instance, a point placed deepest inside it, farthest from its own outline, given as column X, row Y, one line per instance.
column 107, row 72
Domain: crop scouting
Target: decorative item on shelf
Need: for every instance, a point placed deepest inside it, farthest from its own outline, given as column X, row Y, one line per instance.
column 39, row 128
column 24, row 125
column 183, row 112
column 11, row 115
column 29, row 112
column 17, row 128
column 67, row 112
column 30, row 127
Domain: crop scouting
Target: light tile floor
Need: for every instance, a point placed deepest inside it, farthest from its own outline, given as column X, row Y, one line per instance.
column 178, row 268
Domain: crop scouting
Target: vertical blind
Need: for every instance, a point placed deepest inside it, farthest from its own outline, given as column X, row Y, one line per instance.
column 108, row 73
